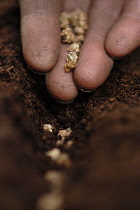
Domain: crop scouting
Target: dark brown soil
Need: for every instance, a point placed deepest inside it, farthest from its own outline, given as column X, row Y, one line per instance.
column 105, row 171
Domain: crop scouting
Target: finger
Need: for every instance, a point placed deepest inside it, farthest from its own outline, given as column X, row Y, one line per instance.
column 94, row 65
column 70, row 5
column 124, row 37
column 59, row 83
column 40, row 33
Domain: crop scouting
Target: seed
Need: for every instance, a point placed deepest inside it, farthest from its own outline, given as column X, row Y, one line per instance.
column 64, row 16
column 64, row 160
column 79, row 38
column 51, row 201
column 56, row 179
column 72, row 56
column 67, row 35
column 54, row 154
column 73, row 27
column 70, row 65
column 48, row 127
column 75, row 47
column 63, row 134
column 79, row 30
column 69, row 144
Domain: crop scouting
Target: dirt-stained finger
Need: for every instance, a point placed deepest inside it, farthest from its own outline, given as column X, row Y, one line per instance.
column 59, row 83
column 40, row 33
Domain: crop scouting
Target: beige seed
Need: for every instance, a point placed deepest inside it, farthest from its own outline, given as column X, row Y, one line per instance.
column 79, row 38
column 83, row 25
column 50, row 201
column 64, row 16
column 70, row 65
column 67, row 35
column 54, row 154
column 79, row 30
column 75, row 47
column 69, row 144
column 73, row 26
column 72, row 56
column 64, row 160
column 63, row 134
column 48, row 127
column 56, row 179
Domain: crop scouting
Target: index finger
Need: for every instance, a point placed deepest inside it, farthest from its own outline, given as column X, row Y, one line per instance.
column 40, row 33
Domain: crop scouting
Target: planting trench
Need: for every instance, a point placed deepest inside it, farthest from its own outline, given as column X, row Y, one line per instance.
column 97, row 165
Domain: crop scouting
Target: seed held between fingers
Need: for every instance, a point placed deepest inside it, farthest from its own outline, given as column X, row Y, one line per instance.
column 73, row 28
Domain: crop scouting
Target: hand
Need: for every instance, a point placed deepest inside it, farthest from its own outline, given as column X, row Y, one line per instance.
column 114, row 31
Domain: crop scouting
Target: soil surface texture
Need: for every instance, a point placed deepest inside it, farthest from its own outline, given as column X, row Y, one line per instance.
column 96, row 165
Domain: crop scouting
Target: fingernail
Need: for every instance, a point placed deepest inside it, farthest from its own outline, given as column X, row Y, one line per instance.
column 64, row 102
column 36, row 72
column 61, row 102
column 85, row 91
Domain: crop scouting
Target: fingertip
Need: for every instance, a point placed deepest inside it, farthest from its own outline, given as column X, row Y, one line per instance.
column 43, row 63
column 123, row 38
column 115, row 44
column 89, row 76
column 40, row 48
column 88, row 82
column 60, row 87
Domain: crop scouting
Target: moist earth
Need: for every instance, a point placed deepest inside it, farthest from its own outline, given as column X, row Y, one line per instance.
column 104, row 169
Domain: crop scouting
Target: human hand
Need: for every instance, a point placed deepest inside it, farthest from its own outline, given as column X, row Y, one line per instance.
column 114, row 31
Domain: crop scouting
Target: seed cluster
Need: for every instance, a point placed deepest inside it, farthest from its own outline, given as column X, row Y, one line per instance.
column 73, row 28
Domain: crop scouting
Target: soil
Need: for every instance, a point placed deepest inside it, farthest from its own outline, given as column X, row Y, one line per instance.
column 105, row 156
